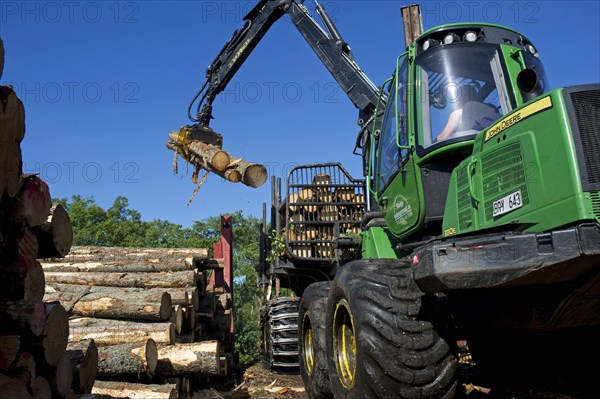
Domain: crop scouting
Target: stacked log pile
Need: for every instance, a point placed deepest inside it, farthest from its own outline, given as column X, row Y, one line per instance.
column 132, row 318
column 150, row 312
column 319, row 212
column 35, row 359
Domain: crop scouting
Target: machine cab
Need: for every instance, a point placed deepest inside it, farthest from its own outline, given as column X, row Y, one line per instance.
column 451, row 84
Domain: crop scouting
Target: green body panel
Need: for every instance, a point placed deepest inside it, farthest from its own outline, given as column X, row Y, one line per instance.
column 534, row 156
column 378, row 243
column 401, row 202
column 532, row 153
column 514, row 63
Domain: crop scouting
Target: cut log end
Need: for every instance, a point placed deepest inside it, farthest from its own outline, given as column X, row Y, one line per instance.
column 151, row 355
column 63, row 376
column 35, row 283
column 166, row 306
column 55, row 236
column 255, row 175
column 56, row 333
column 34, row 202
column 84, row 360
column 220, row 161
column 233, row 175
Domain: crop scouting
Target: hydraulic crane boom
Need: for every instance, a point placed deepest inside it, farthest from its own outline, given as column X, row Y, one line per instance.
column 327, row 43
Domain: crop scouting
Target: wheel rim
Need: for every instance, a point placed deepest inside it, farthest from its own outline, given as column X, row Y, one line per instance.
column 308, row 353
column 344, row 344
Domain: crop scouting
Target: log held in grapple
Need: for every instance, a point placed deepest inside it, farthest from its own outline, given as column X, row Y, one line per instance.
column 206, row 153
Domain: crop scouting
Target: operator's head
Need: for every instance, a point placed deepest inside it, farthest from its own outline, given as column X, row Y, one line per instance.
column 461, row 94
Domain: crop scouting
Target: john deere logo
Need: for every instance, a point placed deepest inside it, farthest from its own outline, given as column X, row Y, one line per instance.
column 402, row 210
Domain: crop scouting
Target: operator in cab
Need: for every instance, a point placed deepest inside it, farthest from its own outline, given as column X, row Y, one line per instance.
column 469, row 114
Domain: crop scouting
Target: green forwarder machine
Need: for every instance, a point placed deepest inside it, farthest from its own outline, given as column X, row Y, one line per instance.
column 477, row 221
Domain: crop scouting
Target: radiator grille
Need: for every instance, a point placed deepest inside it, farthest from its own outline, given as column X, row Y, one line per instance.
column 595, row 196
column 585, row 107
column 503, row 173
column 465, row 219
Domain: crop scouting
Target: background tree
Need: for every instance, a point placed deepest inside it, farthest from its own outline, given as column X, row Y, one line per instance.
column 120, row 226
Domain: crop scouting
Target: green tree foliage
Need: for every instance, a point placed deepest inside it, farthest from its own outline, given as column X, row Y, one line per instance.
column 120, row 226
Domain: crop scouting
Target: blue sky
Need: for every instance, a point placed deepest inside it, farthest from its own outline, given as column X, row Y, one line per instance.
column 104, row 82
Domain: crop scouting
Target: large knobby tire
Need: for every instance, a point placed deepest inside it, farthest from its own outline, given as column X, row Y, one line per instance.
column 279, row 346
column 311, row 343
column 385, row 338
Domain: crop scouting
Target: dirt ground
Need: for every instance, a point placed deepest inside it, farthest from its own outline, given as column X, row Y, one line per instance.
column 258, row 382
column 255, row 382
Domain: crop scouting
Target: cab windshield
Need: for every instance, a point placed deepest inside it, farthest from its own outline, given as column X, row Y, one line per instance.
column 463, row 91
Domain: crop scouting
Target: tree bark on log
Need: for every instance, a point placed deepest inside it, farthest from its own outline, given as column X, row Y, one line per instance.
column 184, row 296
column 12, row 120
column 207, row 156
column 114, row 332
column 200, row 358
column 9, row 347
column 208, row 264
column 56, row 333
column 251, row 174
column 67, row 295
column 33, row 201
column 17, row 317
column 127, row 280
column 52, row 265
column 117, row 389
column 21, row 276
column 177, row 318
column 125, row 303
column 55, row 236
column 127, row 359
column 117, row 259
column 114, row 302
column 25, row 249
column 84, row 361
column 127, row 255
column 23, row 280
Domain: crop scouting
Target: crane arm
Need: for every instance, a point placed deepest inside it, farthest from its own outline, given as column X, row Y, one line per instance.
column 327, row 43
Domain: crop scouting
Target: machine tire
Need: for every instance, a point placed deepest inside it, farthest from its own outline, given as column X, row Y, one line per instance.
column 311, row 332
column 279, row 347
column 385, row 338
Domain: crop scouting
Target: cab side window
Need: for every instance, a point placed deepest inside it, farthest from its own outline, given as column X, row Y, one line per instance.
column 394, row 133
